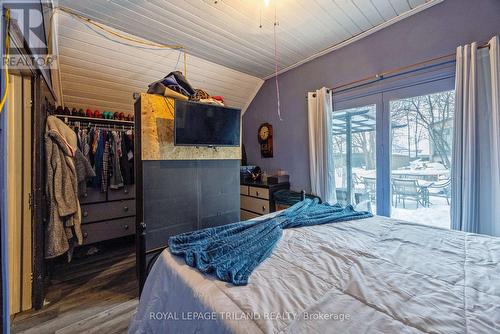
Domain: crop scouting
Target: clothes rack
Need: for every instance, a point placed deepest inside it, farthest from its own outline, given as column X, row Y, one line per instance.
column 67, row 118
column 110, row 127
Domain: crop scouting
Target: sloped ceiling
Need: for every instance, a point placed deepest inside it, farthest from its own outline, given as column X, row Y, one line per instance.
column 227, row 32
column 99, row 71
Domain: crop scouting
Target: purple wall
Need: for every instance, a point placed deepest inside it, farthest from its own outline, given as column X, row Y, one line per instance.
column 433, row 32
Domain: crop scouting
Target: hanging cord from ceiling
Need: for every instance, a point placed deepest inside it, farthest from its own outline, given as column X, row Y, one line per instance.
column 276, row 60
column 7, row 46
column 260, row 16
column 276, row 54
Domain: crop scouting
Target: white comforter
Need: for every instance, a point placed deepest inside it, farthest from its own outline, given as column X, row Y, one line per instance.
column 374, row 275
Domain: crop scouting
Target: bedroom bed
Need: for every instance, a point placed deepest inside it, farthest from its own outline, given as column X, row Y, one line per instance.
column 375, row 275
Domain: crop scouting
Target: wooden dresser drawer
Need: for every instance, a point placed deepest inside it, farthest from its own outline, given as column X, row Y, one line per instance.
column 244, row 190
column 126, row 192
column 258, row 192
column 107, row 230
column 108, row 210
column 246, row 215
column 92, row 195
column 256, row 205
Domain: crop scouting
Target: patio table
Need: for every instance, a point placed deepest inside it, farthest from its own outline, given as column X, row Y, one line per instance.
column 421, row 174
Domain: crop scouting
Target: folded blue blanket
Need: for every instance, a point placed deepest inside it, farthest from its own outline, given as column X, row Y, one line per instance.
column 233, row 251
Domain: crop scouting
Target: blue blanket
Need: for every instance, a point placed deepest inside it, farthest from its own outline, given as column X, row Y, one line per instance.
column 233, row 251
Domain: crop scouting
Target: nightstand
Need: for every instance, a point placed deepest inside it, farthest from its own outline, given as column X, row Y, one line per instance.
column 256, row 198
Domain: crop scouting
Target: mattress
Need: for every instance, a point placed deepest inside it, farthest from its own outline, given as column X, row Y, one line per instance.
column 375, row 275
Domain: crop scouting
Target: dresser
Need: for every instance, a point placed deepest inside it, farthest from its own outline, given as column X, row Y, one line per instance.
column 107, row 215
column 256, row 198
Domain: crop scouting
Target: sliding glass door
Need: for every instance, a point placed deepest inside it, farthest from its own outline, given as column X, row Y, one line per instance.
column 392, row 150
column 355, row 154
column 355, row 151
column 421, row 148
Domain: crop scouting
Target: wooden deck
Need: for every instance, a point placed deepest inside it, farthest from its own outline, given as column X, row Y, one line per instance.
column 92, row 294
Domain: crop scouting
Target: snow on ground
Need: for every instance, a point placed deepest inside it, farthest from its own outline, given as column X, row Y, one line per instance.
column 438, row 214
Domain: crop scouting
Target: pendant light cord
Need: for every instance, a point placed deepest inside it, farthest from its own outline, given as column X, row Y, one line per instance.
column 276, row 61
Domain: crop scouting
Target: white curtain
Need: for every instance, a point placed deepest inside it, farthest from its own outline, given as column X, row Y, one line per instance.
column 322, row 171
column 476, row 153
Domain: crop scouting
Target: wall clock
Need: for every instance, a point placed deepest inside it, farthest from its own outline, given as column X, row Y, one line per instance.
column 265, row 136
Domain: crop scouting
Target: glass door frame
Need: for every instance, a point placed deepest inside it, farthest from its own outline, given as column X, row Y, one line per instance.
column 381, row 98
column 340, row 104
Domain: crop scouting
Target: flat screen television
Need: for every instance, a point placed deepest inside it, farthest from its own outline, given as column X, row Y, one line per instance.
column 200, row 124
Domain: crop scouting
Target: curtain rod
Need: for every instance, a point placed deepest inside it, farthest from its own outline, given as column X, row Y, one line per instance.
column 379, row 76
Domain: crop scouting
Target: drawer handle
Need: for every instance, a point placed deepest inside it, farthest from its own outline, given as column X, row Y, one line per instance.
column 85, row 235
column 125, row 227
column 125, row 191
column 263, row 208
column 85, row 195
column 257, row 193
column 125, row 208
column 85, row 213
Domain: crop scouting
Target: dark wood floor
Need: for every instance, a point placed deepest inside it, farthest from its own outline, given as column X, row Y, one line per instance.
column 93, row 294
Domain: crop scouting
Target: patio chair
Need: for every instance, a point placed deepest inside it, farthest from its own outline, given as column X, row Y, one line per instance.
column 444, row 189
column 370, row 187
column 403, row 189
column 356, row 181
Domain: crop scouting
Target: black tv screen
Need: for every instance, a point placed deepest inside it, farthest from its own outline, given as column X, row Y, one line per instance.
column 200, row 124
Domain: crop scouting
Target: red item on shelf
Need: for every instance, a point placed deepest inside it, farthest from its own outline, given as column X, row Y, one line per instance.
column 89, row 113
column 97, row 114
column 122, row 116
column 218, row 98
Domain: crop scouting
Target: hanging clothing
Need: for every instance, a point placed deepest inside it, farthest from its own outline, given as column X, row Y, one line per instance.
column 110, row 154
column 127, row 158
column 78, row 138
column 84, row 172
column 93, row 142
column 85, row 144
column 116, row 180
column 98, row 158
column 105, row 164
column 63, row 227
column 476, row 144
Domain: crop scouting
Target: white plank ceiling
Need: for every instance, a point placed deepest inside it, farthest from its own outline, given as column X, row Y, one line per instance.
column 99, row 72
column 227, row 32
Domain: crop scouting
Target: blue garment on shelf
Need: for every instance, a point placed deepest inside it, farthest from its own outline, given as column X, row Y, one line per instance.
column 233, row 251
